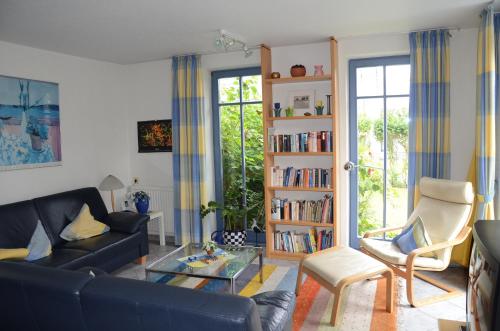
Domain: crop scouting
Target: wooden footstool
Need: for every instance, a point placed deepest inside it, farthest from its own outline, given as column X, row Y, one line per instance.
column 337, row 267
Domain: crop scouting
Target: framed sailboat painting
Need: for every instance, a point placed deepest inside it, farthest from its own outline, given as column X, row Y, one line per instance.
column 30, row 134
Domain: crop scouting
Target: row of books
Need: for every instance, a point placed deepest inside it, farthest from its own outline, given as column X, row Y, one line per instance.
column 306, row 242
column 305, row 177
column 314, row 141
column 320, row 211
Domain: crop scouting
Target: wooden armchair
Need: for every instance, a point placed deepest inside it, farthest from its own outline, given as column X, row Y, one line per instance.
column 445, row 208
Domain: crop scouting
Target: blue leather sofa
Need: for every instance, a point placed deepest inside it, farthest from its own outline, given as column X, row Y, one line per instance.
column 126, row 241
column 50, row 299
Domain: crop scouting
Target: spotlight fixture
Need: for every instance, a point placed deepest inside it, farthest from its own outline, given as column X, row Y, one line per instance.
column 230, row 41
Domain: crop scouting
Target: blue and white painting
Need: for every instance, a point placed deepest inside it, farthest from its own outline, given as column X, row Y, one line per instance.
column 30, row 134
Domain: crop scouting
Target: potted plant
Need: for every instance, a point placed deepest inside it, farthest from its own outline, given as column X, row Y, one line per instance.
column 319, row 107
column 234, row 217
column 141, row 200
column 289, row 111
column 209, row 247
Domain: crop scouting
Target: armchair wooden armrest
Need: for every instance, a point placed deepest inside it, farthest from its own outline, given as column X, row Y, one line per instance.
column 382, row 230
column 436, row 247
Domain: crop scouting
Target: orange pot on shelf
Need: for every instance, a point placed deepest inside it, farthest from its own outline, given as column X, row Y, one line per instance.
column 298, row 70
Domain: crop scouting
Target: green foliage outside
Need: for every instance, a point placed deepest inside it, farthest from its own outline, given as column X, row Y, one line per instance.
column 254, row 147
column 370, row 180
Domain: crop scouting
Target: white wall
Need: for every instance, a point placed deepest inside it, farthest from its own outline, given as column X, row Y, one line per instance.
column 93, row 122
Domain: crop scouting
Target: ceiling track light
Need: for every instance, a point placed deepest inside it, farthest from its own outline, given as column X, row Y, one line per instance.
column 229, row 42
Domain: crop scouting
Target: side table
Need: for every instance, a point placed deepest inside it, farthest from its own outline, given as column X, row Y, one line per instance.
column 158, row 215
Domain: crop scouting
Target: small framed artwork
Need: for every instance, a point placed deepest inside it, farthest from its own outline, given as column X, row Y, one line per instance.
column 154, row 136
column 302, row 100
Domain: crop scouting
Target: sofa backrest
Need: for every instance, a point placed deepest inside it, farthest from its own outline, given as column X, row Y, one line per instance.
column 112, row 303
column 17, row 224
column 39, row 298
column 58, row 210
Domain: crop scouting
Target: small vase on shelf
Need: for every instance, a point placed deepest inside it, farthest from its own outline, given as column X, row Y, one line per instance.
column 319, row 107
column 277, row 109
column 328, row 104
column 318, row 70
column 289, row 112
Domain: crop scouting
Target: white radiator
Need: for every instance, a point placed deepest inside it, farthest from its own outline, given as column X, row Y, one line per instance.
column 161, row 199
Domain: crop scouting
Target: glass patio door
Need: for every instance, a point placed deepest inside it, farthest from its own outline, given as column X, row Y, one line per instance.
column 238, row 140
column 378, row 123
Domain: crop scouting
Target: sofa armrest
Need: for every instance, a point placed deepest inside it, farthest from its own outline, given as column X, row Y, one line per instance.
column 126, row 221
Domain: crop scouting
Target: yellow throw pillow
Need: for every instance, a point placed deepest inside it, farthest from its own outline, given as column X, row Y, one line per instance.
column 83, row 226
column 13, row 253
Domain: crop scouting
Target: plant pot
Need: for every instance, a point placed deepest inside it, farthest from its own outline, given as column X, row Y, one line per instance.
column 298, row 71
column 142, row 206
column 319, row 111
column 234, row 238
column 209, row 252
column 277, row 112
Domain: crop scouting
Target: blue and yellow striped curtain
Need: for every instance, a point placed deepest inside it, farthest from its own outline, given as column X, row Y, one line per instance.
column 188, row 120
column 482, row 170
column 429, row 132
column 486, row 99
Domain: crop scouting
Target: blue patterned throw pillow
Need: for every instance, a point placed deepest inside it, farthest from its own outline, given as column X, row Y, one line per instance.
column 39, row 245
column 415, row 236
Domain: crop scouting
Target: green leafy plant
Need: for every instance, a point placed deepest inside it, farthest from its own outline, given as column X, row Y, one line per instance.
column 289, row 111
column 209, row 246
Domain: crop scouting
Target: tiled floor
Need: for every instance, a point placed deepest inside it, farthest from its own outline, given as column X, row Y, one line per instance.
column 410, row 319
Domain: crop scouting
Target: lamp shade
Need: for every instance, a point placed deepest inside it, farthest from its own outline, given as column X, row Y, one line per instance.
column 111, row 183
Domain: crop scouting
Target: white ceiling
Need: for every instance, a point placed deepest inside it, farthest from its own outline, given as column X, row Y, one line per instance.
column 131, row 31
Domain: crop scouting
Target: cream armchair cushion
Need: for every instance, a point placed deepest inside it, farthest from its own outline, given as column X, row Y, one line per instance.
column 444, row 208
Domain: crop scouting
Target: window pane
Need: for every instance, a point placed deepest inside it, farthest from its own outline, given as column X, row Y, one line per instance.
column 254, row 162
column 231, row 154
column 398, row 79
column 397, row 161
column 252, row 88
column 371, row 160
column 229, row 90
column 370, row 81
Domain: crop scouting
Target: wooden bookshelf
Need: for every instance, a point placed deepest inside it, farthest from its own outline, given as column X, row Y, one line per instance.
column 302, row 117
column 301, row 223
column 287, row 80
column 302, row 122
column 300, row 153
column 300, row 188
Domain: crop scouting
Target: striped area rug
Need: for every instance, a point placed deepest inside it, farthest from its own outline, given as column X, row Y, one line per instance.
column 362, row 308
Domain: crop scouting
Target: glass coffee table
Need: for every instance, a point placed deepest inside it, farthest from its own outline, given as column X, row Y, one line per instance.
column 228, row 267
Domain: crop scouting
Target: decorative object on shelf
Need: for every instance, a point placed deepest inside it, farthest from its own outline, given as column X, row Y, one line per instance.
column 275, row 75
column 30, row 134
column 307, row 113
column 318, row 70
column 277, row 109
column 154, row 136
column 209, row 247
column 289, row 111
column 319, row 107
column 111, row 183
column 328, row 104
column 298, row 70
column 303, row 100
column 141, row 200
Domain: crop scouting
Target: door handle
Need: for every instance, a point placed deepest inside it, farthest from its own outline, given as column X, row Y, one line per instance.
column 350, row 166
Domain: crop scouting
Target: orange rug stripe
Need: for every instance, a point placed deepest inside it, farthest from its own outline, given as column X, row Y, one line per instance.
column 308, row 292
column 381, row 319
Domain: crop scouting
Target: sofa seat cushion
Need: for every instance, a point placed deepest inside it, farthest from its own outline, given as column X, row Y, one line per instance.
column 275, row 309
column 66, row 259
column 391, row 253
column 98, row 243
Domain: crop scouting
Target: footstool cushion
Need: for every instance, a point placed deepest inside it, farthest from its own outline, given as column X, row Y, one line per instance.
column 342, row 263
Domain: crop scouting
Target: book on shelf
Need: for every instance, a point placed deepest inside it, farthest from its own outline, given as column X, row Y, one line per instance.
column 313, row 141
column 303, row 242
column 304, row 177
column 320, row 211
